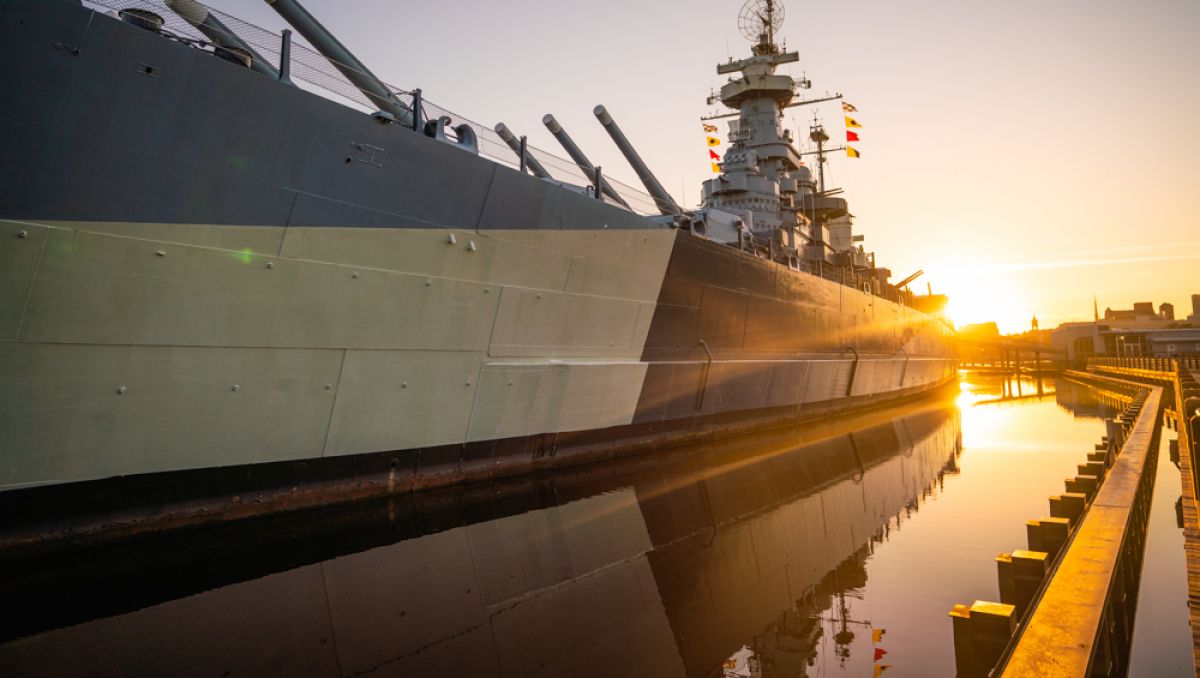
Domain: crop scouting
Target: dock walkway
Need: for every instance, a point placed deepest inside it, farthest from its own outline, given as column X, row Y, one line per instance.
column 1177, row 375
column 1067, row 603
column 1061, row 636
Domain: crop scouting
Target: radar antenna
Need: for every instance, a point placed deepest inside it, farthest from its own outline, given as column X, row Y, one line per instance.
column 760, row 20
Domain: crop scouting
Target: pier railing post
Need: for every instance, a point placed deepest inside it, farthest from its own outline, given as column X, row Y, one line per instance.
column 981, row 632
column 1020, row 573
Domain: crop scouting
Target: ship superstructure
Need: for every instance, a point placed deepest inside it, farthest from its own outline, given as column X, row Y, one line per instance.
column 224, row 310
column 766, row 198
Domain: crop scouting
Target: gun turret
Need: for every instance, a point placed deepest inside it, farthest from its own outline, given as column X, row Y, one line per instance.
column 214, row 29
column 514, row 143
column 666, row 204
column 341, row 58
column 585, row 165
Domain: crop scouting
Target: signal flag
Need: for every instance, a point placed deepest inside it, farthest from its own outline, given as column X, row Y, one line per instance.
column 880, row 668
column 713, row 141
column 851, row 152
column 877, row 635
column 711, row 129
column 716, row 168
column 879, row 652
column 713, row 155
column 851, row 136
column 851, row 122
column 849, row 108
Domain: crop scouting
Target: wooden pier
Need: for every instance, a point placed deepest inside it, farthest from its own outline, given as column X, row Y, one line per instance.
column 1068, row 603
column 1179, row 376
column 1088, row 605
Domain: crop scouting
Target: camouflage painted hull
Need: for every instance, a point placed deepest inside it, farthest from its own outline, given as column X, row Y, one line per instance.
column 225, row 288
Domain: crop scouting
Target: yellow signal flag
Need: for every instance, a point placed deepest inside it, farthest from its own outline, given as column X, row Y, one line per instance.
column 877, row 635
column 851, row 122
column 849, row 108
column 713, row 141
column 851, row 152
column 880, row 668
column 716, row 168
column 711, row 129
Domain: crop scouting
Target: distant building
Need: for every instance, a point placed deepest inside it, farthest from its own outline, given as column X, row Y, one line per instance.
column 1142, row 315
column 1137, row 331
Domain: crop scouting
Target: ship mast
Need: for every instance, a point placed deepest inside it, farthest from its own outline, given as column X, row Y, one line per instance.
column 758, row 180
column 817, row 134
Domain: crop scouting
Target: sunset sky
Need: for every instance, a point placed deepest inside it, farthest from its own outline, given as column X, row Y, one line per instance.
column 1027, row 155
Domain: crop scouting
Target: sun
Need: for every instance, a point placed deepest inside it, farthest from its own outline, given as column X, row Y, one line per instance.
column 978, row 295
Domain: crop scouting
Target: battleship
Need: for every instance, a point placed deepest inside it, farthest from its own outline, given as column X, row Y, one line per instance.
column 247, row 276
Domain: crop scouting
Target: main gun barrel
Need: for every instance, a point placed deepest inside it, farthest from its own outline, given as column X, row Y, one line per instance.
column 666, row 204
column 585, row 165
column 514, row 143
column 354, row 70
column 214, row 29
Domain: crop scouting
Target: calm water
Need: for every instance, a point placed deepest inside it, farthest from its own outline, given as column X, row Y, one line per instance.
column 775, row 556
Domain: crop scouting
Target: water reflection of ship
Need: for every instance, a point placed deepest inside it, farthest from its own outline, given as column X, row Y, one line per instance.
column 643, row 571
column 787, row 647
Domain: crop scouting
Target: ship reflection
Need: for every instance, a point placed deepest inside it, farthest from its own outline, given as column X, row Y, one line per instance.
column 685, row 564
column 788, row 646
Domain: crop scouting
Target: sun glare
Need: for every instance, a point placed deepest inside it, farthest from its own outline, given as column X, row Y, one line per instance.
column 981, row 296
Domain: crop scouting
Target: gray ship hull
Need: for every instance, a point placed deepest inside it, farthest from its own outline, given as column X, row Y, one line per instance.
column 215, row 276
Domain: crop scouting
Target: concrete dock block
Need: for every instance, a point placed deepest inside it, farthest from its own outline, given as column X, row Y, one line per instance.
column 1098, row 455
column 1093, row 468
column 1006, row 578
column 1019, row 575
column 1068, row 505
column 981, row 633
column 1083, row 484
column 1047, row 535
column 964, row 647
